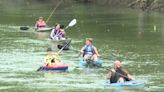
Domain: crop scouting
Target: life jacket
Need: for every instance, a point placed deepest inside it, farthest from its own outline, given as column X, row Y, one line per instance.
column 58, row 33
column 89, row 50
column 52, row 59
column 116, row 75
column 41, row 24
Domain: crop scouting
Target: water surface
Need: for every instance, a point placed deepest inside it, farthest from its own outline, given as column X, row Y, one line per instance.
column 134, row 37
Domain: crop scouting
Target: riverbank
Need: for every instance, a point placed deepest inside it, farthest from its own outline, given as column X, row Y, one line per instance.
column 145, row 5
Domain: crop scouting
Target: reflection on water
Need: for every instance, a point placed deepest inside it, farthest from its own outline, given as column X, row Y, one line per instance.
column 41, row 35
column 124, row 34
column 140, row 24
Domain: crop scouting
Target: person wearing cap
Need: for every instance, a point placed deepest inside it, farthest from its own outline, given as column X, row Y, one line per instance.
column 118, row 74
column 40, row 23
column 89, row 51
column 51, row 58
column 58, row 32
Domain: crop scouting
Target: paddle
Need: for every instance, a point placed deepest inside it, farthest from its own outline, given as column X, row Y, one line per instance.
column 60, row 46
column 80, row 53
column 90, row 63
column 63, row 47
column 119, row 73
column 24, row 28
column 72, row 23
column 70, row 48
column 108, row 58
column 58, row 4
column 74, row 50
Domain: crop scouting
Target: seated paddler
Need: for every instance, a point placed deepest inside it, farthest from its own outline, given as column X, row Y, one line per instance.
column 51, row 59
column 89, row 51
column 118, row 73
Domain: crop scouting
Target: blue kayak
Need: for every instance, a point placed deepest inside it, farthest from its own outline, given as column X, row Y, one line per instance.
column 95, row 63
column 127, row 83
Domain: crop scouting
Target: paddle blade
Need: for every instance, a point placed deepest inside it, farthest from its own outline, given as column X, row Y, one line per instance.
column 24, row 28
column 72, row 23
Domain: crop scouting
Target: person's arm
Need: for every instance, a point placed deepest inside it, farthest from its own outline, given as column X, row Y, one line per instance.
column 36, row 25
column 58, row 57
column 45, row 24
column 108, row 76
column 96, row 51
column 82, row 50
column 130, row 77
column 52, row 34
column 45, row 61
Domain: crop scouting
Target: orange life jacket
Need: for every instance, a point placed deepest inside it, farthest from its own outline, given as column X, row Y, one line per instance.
column 41, row 23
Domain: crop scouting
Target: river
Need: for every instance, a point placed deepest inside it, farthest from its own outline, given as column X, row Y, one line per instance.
column 132, row 36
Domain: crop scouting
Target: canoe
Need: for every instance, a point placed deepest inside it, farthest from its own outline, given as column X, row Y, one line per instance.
column 127, row 83
column 44, row 29
column 53, row 68
column 95, row 63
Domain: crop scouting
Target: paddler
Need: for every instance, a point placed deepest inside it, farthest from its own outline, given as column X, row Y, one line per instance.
column 58, row 32
column 89, row 51
column 118, row 74
column 40, row 23
column 52, row 58
column 62, row 35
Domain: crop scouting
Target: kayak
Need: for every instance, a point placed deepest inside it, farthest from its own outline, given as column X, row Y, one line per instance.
column 60, row 46
column 62, row 43
column 89, row 63
column 127, row 83
column 44, row 29
column 53, row 68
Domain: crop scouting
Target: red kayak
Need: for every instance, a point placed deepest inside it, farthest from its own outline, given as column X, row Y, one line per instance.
column 54, row 68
